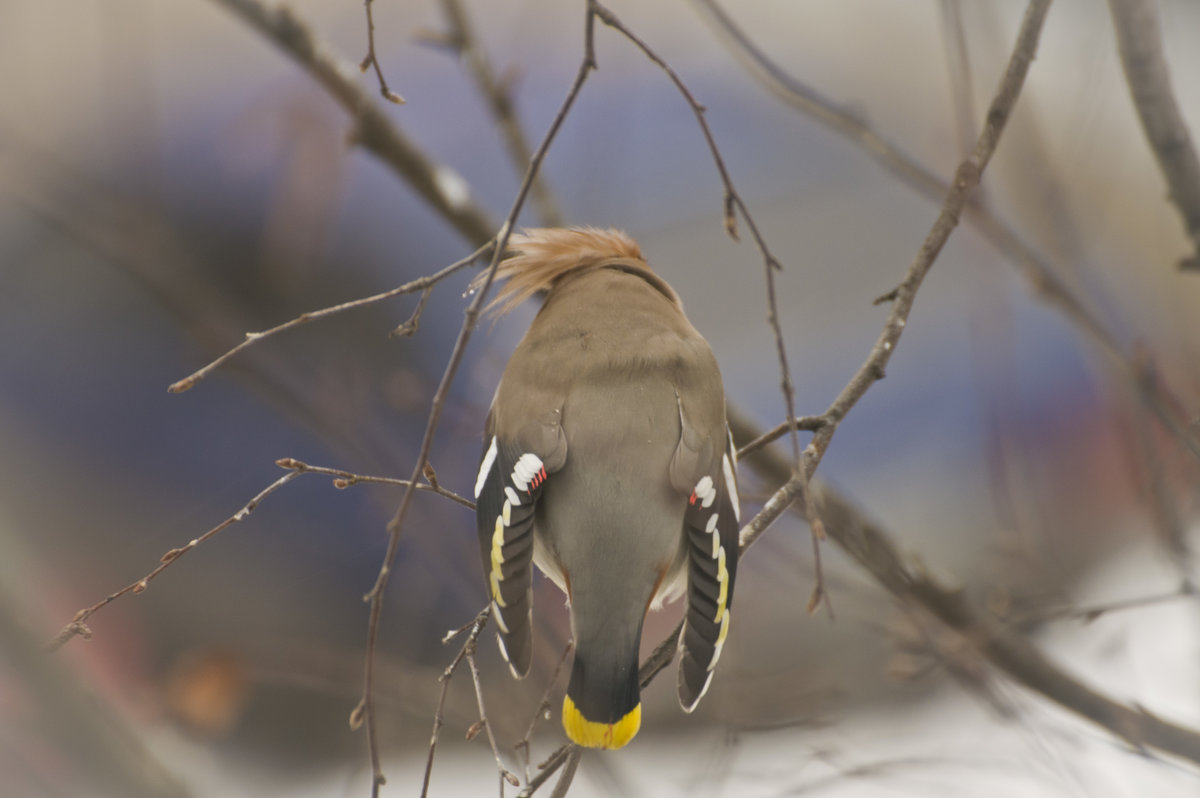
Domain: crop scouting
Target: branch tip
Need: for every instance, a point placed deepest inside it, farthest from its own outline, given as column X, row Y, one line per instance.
column 814, row 600
column 883, row 299
column 357, row 715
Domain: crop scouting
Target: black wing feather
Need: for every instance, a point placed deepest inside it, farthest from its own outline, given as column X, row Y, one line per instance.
column 507, row 490
column 711, row 526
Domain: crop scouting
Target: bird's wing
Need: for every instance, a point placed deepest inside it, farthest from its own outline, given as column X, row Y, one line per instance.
column 512, row 473
column 710, row 524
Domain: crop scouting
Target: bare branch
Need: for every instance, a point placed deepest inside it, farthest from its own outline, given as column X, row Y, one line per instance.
column 476, row 626
column 819, row 595
column 469, row 647
column 343, row 479
column 373, row 60
column 568, row 775
column 1139, row 38
column 550, row 767
column 420, row 284
column 413, row 323
column 463, row 39
column 543, row 709
column 1043, row 280
column 439, row 185
column 1093, row 612
column 958, row 67
column 78, row 624
column 346, row 479
column 805, row 423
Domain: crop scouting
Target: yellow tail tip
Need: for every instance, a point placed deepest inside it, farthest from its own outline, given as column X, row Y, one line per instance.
column 591, row 734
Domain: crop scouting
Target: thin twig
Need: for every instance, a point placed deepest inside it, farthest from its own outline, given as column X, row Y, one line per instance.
column 497, row 94
column 505, row 773
column 1139, row 38
column 376, row 594
column 413, row 323
column 1170, row 527
column 543, row 709
column 1043, row 279
column 439, row 185
column 420, row 284
column 346, row 479
column 804, row 423
column 958, row 65
column 548, row 768
column 372, row 60
column 476, row 626
column 1094, row 612
column 819, row 595
column 568, row 774
column 343, row 479
column 78, row 624
column 663, row 653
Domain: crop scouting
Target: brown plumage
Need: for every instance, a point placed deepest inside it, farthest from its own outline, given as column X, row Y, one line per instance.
column 542, row 255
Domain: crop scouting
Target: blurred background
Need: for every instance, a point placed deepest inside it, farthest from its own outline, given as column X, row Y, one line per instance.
column 170, row 179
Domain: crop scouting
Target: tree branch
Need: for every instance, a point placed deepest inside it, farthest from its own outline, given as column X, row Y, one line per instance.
column 805, row 423
column 78, row 624
column 422, row 284
column 342, row 479
column 1139, row 39
column 476, row 626
column 371, row 60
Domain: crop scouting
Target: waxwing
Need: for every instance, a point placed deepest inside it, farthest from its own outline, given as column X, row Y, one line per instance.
column 607, row 461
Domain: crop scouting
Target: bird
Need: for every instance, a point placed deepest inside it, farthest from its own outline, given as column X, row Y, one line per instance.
column 607, row 463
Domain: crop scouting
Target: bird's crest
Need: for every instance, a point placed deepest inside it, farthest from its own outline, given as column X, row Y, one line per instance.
column 541, row 256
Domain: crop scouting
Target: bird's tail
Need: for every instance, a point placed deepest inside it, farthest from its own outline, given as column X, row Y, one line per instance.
column 602, row 708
